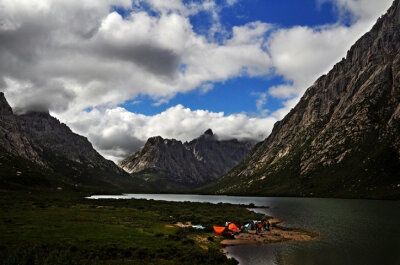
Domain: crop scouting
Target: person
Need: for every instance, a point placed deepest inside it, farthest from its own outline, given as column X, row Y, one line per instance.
column 252, row 225
column 266, row 225
column 258, row 227
column 228, row 234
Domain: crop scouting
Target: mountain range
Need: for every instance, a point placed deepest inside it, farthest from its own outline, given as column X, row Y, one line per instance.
column 38, row 151
column 343, row 138
column 186, row 165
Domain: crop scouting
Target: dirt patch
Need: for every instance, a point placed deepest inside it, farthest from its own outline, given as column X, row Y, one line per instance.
column 180, row 224
column 274, row 221
column 264, row 237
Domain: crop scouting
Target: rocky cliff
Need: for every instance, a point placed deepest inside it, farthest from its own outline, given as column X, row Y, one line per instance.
column 40, row 141
column 11, row 138
column 191, row 163
column 343, row 137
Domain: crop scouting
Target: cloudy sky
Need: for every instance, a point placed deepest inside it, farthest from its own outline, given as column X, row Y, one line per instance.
column 120, row 71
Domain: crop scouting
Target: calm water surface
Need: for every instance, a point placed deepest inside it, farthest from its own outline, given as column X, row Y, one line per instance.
column 352, row 232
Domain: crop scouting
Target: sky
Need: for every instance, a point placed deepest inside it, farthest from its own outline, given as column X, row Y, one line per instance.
column 121, row 71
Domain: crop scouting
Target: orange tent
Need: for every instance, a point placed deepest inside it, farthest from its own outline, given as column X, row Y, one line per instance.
column 233, row 227
column 219, row 229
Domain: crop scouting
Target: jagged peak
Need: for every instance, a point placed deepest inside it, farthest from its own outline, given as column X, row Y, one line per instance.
column 160, row 140
column 155, row 139
column 208, row 132
column 42, row 114
column 4, row 106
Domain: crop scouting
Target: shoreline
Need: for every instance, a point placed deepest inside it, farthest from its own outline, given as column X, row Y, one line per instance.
column 275, row 235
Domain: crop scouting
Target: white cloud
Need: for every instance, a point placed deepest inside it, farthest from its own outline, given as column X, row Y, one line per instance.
column 117, row 132
column 301, row 54
column 102, row 59
column 68, row 56
column 253, row 32
column 231, row 2
column 261, row 101
column 363, row 10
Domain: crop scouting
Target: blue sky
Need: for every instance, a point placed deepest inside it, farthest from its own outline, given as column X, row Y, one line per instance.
column 121, row 71
column 239, row 94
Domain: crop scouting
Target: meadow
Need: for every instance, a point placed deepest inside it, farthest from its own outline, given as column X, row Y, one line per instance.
column 65, row 228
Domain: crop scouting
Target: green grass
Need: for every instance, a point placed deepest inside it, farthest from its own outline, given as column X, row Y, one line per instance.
column 158, row 181
column 65, row 228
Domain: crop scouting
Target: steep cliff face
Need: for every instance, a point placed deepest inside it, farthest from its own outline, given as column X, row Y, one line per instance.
column 47, row 134
column 11, row 138
column 191, row 163
column 61, row 149
column 36, row 149
column 343, row 137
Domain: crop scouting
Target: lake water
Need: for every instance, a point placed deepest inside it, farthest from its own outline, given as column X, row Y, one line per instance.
column 351, row 232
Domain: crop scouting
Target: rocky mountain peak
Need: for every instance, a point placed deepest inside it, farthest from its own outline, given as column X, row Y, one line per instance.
column 209, row 132
column 191, row 163
column 155, row 140
column 12, row 139
column 5, row 108
column 160, row 141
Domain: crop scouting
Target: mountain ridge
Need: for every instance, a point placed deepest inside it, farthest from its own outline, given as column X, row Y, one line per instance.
column 192, row 163
column 38, row 150
column 322, row 147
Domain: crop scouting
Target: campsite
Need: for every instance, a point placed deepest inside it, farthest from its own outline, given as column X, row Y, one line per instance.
column 55, row 229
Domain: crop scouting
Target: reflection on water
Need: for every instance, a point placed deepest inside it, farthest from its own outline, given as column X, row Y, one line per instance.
column 351, row 231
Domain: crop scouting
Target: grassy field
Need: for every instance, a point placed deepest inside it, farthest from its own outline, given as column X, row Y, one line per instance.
column 65, row 228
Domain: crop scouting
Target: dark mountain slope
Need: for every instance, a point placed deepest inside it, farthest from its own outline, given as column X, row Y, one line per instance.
column 11, row 138
column 37, row 150
column 343, row 137
column 188, row 164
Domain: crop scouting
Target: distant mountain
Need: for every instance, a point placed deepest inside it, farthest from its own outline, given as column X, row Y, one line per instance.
column 188, row 164
column 37, row 150
column 343, row 137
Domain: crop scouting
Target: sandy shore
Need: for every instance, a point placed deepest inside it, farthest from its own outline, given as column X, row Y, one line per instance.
column 276, row 234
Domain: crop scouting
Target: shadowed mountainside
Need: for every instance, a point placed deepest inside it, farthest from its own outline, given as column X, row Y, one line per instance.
column 343, row 137
column 188, row 164
column 37, row 151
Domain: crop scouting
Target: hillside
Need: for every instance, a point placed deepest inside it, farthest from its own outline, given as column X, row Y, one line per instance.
column 343, row 138
column 37, row 151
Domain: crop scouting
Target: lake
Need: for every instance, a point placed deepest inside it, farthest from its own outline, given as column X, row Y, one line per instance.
column 351, row 232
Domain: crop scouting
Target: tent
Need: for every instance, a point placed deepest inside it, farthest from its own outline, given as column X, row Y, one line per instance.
column 219, row 229
column 233, row 227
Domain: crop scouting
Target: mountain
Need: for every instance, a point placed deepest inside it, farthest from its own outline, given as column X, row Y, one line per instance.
column 343, row 138
column 188, row 164
column 37, row 150
column 11, row 138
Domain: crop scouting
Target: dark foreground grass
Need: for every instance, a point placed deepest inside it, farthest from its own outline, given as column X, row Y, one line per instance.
column 65, row 228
